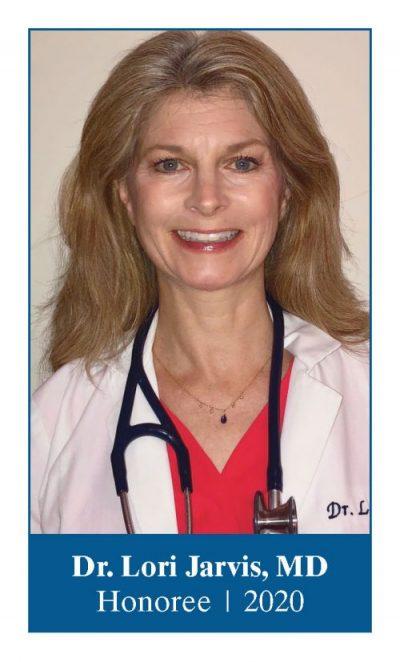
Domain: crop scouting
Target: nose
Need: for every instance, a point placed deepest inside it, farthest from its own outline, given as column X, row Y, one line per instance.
column 207, row 194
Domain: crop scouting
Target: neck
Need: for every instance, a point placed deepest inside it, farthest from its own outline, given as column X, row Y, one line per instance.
column 213, row 333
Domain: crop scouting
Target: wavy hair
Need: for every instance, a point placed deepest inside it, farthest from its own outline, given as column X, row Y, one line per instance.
column 108, row 283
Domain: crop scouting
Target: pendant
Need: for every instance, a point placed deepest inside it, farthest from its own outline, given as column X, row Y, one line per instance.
column 223, row 418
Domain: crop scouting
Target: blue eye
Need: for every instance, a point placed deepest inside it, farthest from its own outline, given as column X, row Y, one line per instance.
column 245, row 163
column 167, row 165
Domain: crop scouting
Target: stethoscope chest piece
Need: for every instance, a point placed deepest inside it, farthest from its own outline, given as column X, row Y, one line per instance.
column 275, row 517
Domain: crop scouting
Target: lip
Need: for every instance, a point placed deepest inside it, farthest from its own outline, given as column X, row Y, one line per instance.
column 208, row 247
column 208, row 231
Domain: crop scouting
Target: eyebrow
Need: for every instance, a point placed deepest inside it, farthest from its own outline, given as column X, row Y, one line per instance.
column 178, row 149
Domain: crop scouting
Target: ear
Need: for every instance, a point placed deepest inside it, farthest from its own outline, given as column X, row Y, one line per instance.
column 284, row 203
column 125, row 198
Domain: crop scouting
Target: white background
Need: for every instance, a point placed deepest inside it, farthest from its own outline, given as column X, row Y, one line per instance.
column 16, row 643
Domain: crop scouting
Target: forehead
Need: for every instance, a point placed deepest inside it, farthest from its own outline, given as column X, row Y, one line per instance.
column 184, row 116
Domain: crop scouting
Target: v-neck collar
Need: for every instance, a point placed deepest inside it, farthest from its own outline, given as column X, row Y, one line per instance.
column 195, row 444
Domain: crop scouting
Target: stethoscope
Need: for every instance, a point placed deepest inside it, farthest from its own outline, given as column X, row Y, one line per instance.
column 270, row 517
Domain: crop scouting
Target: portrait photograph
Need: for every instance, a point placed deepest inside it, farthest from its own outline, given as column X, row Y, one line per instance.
column 200, row 280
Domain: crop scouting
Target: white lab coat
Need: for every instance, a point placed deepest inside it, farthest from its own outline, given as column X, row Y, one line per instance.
column 324, row 444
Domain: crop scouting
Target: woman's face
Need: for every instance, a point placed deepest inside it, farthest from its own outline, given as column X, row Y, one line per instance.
column 204, row 193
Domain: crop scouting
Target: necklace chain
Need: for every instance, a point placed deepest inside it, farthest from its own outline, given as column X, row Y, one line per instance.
column 213, row 408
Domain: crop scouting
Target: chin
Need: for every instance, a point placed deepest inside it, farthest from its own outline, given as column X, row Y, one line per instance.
column 209, row 283
column 210, row 287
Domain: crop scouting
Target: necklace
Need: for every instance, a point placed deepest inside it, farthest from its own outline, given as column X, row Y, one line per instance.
column 212, row 408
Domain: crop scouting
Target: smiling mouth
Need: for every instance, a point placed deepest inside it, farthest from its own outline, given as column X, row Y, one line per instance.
column 207, row 237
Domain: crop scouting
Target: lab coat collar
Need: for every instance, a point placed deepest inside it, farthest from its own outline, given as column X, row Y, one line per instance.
column 307, row 342
column 311, row 409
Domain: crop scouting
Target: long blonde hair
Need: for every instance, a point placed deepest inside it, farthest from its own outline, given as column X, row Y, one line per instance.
column 109, row 285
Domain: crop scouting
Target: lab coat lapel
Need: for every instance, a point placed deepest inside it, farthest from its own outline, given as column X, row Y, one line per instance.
column 311, row 408
column 151, row 495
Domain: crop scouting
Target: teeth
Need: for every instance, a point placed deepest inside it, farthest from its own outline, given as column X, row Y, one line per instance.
column 206, row 237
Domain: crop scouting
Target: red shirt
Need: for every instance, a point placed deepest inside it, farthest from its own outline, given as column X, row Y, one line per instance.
column 222, row 502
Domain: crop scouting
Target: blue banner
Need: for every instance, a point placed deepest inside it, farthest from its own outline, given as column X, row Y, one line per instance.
column 221, row 583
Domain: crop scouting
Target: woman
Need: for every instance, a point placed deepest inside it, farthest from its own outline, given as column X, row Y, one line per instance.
column 201, row 182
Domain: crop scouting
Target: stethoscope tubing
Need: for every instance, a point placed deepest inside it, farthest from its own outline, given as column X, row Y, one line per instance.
column 166, row 431
column 274, row 466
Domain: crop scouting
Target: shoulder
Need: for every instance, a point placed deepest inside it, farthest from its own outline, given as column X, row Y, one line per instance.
column 324, row 357
column 347, row 372
column 69, row 390
column 53, row 389
column 74, row 376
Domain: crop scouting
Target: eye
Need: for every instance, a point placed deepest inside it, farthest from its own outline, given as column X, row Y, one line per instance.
column 167, row 165
column 245, row 163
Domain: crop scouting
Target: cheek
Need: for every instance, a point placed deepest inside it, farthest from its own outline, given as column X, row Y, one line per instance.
column 262, row 206
column 150, row 204
column 261, row 192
